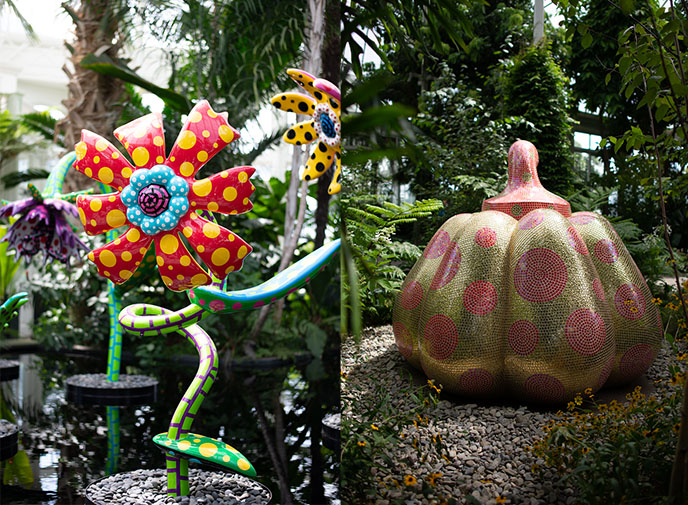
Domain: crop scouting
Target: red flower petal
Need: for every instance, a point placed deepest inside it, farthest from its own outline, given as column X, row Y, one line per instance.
column 203, row 135
column 119, row 259
column 101, row 213
column 227, row 192
column 101, row 161
column 220, row 249
column 144, row 139
column 178, row 269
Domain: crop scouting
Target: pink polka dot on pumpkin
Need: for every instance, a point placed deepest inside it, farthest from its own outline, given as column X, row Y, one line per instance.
column 485, row 237
column 236, row 306
column 480, row 298
column 217, row 305
column 259, row 303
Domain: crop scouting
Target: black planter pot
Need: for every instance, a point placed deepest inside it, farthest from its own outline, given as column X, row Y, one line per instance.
column 95, row 389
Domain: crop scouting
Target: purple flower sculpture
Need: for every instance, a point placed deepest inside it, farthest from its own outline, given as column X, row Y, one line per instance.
column 42, row 226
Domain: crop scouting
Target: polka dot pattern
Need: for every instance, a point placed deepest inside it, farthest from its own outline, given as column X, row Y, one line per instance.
column 485, row 237
column 438, row 245
column 441, row 337
column 117, row 261
column 403, row 339
column 523, row 337
column 480, row 298
column 189, row 144
column 448, row 268
column 105, row 218
column 220, row 260
column 636, row 361
column 294, row 102
column 227, row 192
column 598, row 289
column 476, row 381
column 412, row 295
column 144, row 139
column 576, row 241
column 544, row 388
column 606, row 251
column 540, row 275
column 320, row 160
column 583, row 218
column 301, row 133
column 629, row 301
column 585, row 332
column 531, row 220
column 112, row 168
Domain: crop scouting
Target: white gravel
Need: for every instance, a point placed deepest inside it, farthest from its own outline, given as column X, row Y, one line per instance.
column 485, row 442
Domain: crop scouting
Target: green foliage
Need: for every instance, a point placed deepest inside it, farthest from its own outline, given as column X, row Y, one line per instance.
column 8, row 265
column 615, row 452
column 535, row 91
column 13, row 139
column 373, row 431
column 381, row 260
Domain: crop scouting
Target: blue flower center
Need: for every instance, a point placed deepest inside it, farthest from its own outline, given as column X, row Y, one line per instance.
column 327, row 125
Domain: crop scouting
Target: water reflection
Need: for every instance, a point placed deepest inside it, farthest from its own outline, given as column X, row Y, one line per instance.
column 273, row 415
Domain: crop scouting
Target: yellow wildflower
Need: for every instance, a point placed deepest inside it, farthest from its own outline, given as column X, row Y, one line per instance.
column 361, row 443
column 500, row 500
column 410, row 480
column 374, row 427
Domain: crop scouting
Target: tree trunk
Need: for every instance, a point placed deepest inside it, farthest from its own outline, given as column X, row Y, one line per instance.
column 91, row 97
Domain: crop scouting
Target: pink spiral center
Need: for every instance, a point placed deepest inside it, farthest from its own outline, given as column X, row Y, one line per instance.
column 153, row 200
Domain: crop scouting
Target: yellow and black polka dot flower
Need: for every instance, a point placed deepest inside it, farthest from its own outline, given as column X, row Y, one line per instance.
column 158, row 198
column 324, row 108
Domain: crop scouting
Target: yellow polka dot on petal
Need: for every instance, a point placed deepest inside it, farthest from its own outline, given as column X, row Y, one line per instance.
column 80, row 149
column 106, row 273
column 196, row 440
column 82, row 216
column 208, row 450
column 185, row 260
column 139, row 132
column 170, row 267
column 157, row 140
column 229, row 194
column 211, row 230
column 243, row 177
column 183, row 445
column 160, row 260
column 143, row 250
column 156, row 124
column 231, row 237
column 116, row 218
column 159, row 159
column 112, row 198
column 95, row 205
column 180, row 277
column 202, row 187
column 133, row 235
column 193, row 204
column 224, row 174
column 125, row 274
column 140, row 156
column 226, row 458
column 169, row 244
column 126, row 172
column 226, row 133
column 195, row 116
column 243, row 464
column 93, row 222
column 168, row 282
column 115, row 155
column 88, row 172
column 126, row 256
column 168, row 442
column 202, row 156
column 193, row 215
column 187, row 140
column 229, row 269
column 107, row 258
column 188, row 231
column 220, row 256
column 106, row 175
column 212, row 206
column 101, row 145
column 91, row 256
column 187, row 169
column 215, row 145
column 96, row 159
column 205, row 133
column 200, row 248
column 211, row 113
column 246, row 201
column 118, row 241
column 243, row 251
column 199, row 279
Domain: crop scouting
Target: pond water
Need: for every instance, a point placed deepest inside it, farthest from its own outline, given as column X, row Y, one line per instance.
column 272, row 416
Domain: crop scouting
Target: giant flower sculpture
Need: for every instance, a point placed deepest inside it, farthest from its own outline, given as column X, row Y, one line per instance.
column 158, row 198
column 324, row 108
column 42, row 228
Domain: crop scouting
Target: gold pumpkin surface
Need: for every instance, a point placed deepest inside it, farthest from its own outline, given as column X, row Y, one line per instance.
column 540, row 308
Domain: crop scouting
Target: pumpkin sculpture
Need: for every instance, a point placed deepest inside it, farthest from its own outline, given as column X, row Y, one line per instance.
column 527, row 298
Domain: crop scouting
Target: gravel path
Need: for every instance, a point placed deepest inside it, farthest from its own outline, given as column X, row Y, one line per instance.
column 486, row 442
